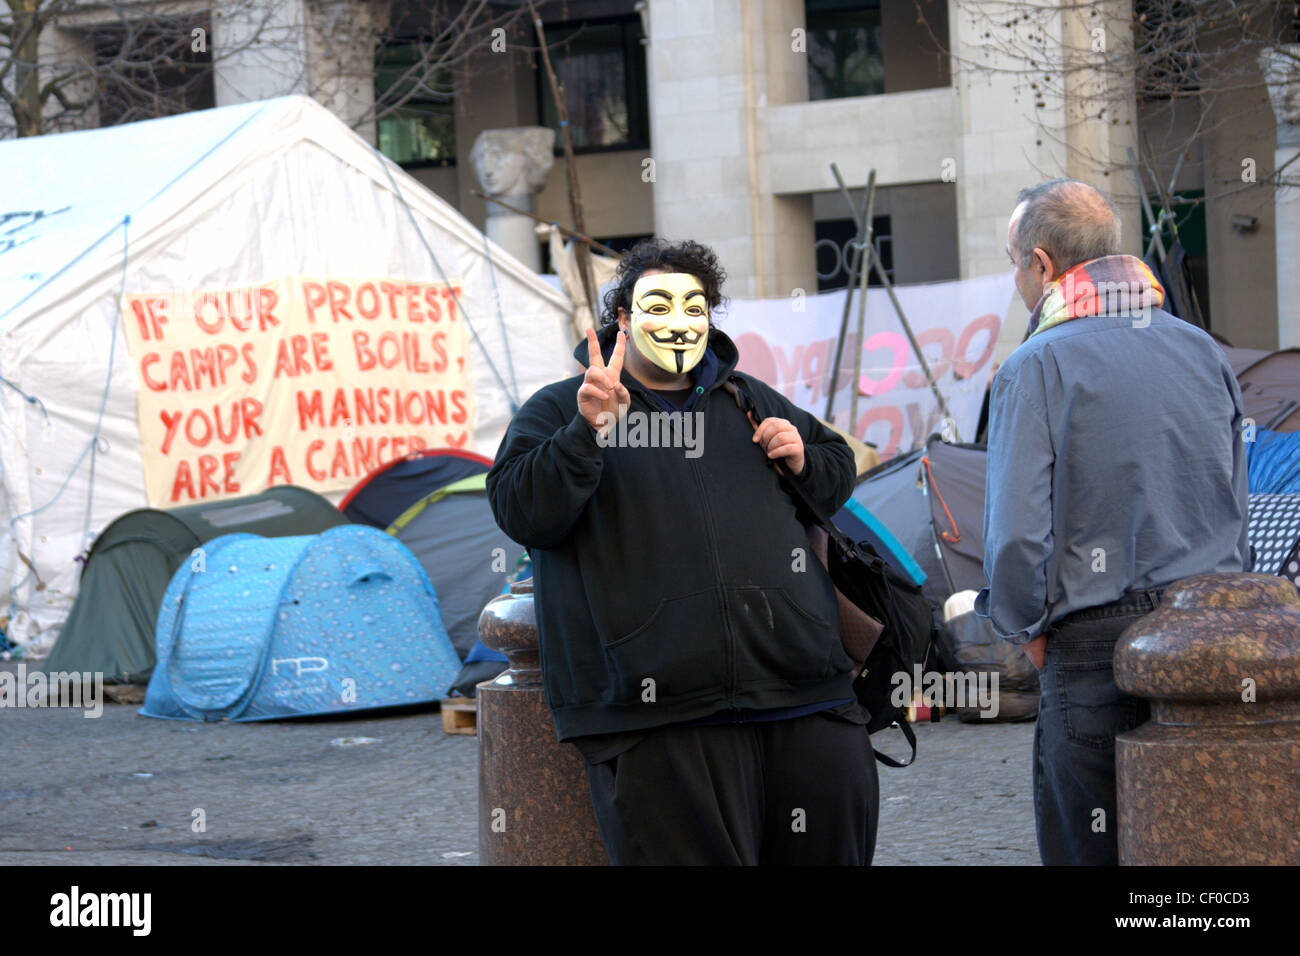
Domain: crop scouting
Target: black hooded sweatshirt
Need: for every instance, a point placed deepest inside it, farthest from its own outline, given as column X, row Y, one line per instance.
column 672, row 583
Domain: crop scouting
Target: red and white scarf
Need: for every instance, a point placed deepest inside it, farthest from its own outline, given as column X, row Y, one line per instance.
column 1111, row 285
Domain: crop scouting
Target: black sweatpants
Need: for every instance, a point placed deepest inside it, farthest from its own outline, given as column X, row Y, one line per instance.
column 782, row 792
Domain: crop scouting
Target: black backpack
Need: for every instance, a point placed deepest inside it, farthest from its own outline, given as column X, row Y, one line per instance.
column 872, row 584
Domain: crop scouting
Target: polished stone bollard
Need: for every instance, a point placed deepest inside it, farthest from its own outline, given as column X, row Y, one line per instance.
column 1214, row 777
column 534, row 804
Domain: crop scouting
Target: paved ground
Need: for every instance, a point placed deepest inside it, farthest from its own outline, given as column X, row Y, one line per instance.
column 968, row 799
column 123, row 789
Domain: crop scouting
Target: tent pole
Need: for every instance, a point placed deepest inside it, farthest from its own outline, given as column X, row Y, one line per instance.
column 870, row 261
column 856, row 246
column 1192, row 298
column 1156, row 242
column 868, row 246
column 916, row 348
column 854, row 264
column 1166, row 214
column 1166, row 202
column 1173, row 272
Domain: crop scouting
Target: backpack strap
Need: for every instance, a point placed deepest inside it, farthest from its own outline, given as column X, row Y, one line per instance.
column 889, row 761
column 847, row 548
column 746, row 404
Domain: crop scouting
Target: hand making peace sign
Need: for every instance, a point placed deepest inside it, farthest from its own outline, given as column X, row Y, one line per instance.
column 601, row 390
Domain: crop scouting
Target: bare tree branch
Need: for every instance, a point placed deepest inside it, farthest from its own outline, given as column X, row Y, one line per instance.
column 1168, row 53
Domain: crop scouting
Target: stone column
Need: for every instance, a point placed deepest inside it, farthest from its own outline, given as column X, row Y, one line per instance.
column 324, row 49
column 1212, row 778
column 1002, row 126
column 1281, row 68
column 340, row 43
column 511, row 165
column 1101, row 106
column 259, row 51
column 534, row 803
column 713, row 70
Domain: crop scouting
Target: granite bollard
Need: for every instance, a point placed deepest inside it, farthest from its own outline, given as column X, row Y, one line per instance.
column 1213, row 778
column 534, row 804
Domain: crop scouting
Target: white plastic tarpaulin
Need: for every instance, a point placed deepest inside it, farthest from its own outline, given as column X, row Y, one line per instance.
column 276, row 195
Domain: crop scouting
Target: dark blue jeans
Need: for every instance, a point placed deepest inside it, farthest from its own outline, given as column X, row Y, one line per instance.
column 1080, row 712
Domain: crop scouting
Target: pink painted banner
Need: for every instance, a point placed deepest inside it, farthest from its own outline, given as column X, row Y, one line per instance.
column 790, row 344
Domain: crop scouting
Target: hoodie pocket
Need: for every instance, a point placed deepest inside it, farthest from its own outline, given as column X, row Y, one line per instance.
column 779, row 641
column 681, row 648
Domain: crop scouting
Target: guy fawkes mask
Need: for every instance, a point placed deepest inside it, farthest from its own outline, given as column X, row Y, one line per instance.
column 670, row 320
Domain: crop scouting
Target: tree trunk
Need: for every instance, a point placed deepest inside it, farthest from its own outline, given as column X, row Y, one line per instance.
column 27, row 89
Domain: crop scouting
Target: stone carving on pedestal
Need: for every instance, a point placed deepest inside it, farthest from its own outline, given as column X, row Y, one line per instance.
column 512, row 165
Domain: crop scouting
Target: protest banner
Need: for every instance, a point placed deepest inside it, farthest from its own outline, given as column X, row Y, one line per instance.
column 790, row 344
column 306, row 381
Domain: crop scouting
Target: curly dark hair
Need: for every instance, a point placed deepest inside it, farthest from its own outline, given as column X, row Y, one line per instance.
column 688, row 256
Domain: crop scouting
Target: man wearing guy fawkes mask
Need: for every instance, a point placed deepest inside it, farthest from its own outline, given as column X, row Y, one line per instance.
column 689, row 643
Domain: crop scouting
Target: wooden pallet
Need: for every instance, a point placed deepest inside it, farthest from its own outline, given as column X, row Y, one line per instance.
column 132, row 694
column 460, row 715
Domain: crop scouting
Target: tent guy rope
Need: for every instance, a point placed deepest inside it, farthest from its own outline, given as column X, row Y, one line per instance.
column 92, row 447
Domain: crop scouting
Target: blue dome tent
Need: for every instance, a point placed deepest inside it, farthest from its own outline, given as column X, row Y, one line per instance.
column 262, row 628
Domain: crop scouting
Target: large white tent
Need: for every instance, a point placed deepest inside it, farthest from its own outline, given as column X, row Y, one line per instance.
column 217, row 199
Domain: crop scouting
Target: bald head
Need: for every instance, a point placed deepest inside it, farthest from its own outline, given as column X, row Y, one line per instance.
column 1070, row 221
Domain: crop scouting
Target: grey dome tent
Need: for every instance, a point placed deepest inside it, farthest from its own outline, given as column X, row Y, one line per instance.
column 382, row 496
column 895, row 493
column 955, row 476
column 468, row 558
column 111, row 627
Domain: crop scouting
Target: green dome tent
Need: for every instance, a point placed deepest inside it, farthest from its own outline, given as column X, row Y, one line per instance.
column 111, row 627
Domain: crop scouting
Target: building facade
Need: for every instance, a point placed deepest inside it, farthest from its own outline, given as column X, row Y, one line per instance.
column 720, row 120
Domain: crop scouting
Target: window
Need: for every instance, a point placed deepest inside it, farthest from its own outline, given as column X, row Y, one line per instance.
column 417, row 123
column 835, row 251
column 1168, row 54
column 147, row 72
column 601, row 66
column 845, row 57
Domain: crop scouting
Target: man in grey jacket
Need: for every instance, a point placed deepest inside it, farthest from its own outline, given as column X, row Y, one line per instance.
column 1116, row 467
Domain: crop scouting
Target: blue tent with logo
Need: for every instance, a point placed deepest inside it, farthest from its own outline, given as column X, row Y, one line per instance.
column 260, row 628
